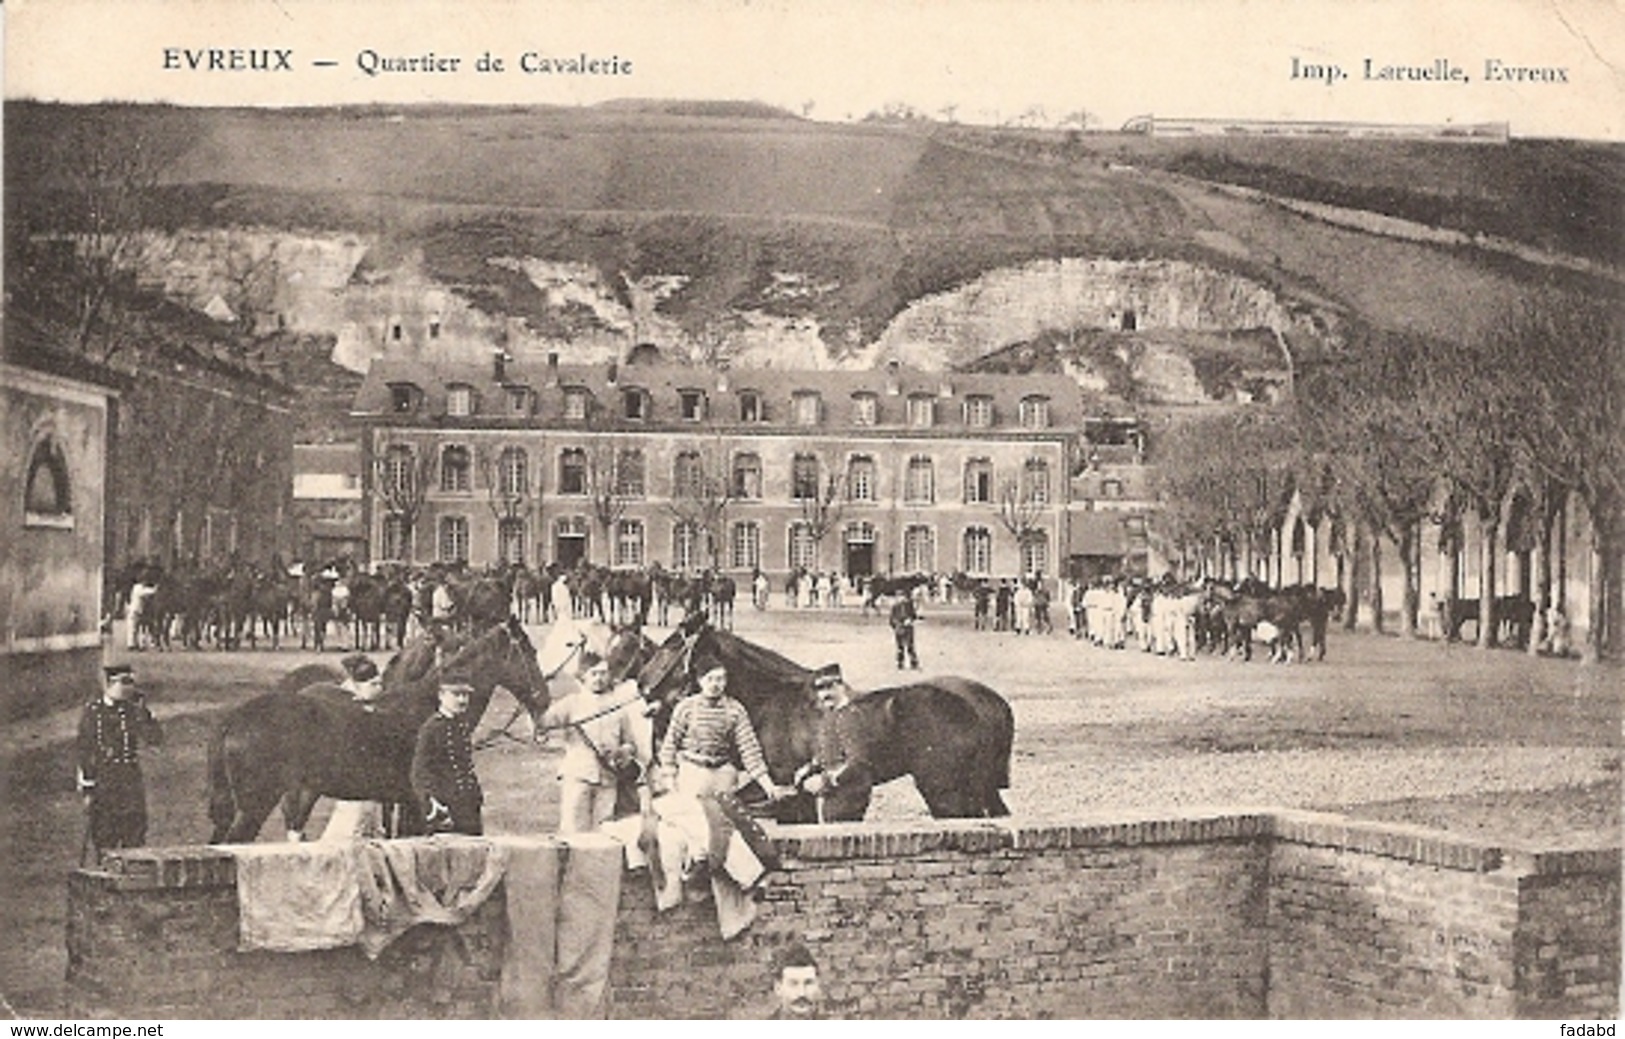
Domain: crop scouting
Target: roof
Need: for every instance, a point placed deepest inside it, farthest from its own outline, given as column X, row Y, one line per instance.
column 775, row 388
column 327, row 458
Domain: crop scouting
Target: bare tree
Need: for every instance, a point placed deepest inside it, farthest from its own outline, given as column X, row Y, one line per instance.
column 102, row 170
column 702, row 490
column 1020, row 511
column 823, row 507
column 614, row 479
column 401, row 477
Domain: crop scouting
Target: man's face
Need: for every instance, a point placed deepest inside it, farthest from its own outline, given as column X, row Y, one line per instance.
column 713, row 682
column 453, row 702
column 369, row 689
column 833, row 696
column 121, row 687
column 798, row 991
column 596, row 678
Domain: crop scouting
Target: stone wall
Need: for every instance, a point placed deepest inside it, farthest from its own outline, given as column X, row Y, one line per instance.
column 1249, row 915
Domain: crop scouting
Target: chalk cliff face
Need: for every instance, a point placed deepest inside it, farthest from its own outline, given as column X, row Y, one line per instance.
column 1014, row 305
column 374, row 299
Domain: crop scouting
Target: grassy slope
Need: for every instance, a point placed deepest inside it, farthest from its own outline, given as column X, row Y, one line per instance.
column 890, row 214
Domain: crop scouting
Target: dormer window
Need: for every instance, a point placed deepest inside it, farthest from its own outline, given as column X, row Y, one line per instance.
column 1035, row 412
column 518, row 400
column 750, row 406
column 863, row 409
column 979, row 411
column 691, row 405
column 804, row 405
column 575, row 404
column 634, row 404
column 459, row 400
column 403, row 398
column 921, row 410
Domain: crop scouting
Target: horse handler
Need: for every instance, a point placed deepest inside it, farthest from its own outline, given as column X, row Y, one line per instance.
column 605, row 735
column 823, row 774
column 443, row 766
column 112, row 730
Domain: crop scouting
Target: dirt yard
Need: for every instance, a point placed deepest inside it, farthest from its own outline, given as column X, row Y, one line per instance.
column 1498, row 745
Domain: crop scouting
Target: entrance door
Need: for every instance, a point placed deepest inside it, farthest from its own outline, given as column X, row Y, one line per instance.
column 569, row 549
column 860, row 550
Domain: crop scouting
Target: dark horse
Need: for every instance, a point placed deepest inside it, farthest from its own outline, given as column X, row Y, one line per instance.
column 952, row 735
column 293, row 747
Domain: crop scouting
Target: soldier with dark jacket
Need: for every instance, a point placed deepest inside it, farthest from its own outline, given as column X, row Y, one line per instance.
column 903, row 618
column 112, row 730
column 443, row 766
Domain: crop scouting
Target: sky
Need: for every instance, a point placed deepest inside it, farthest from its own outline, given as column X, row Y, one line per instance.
column 1559, row 65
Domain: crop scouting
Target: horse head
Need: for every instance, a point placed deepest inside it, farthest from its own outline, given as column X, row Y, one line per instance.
column 666, row 674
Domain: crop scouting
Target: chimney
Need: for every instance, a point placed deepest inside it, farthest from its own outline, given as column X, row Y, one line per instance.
column 499, row 365
column 552, row 369
column 722, row 377
column 946, row 389
column 894, row 384
column 612, row 372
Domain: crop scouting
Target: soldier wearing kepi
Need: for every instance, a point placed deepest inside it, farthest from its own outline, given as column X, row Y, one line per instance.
column 112, row 730
column 443, row 766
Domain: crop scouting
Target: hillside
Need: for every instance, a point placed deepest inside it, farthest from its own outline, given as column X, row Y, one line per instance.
column 557, row 228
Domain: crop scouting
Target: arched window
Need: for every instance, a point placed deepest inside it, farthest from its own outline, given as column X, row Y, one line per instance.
column 860, row 478
column 1035, row 481
column 978, row 551
column 685, row 546
column 919, row 549
column 629, row 543
column 804, row 478
column 747, row 477
column 629, row 474
column 48, row 494
column 1034, row 412
column 978, row 481
column 688, row 476
column 572, row 471
column 513, row 475
column 511, row 540
column 454, row 469
column 1035, row 553
column 920, row 486
column 803, row 548
column 397, row 539
column 454, row 539
column 398, row 470
column 747, row 546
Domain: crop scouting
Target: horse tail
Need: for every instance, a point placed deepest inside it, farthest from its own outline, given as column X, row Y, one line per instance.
column 222, row 796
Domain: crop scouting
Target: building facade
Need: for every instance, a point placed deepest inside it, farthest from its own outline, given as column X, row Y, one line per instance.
column 884, row 471
column 53, row 481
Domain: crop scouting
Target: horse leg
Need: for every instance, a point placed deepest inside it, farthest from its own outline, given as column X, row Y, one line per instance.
column 297, row 805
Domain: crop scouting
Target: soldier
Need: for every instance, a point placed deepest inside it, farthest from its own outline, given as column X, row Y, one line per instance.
column 112, row 730
column 443, row 766
column 903, row 618
column 358, row 819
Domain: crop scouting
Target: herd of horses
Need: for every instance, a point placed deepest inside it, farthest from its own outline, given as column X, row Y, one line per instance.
column 308, row 739
column 1225, row 618
column 240, row 605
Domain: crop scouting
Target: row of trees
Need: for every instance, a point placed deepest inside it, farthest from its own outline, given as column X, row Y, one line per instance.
column 1393, row 432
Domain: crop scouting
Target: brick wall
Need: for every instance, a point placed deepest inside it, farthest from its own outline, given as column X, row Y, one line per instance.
column 1284, row 914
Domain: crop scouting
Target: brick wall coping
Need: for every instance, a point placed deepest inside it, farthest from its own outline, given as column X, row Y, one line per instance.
column 204, row 866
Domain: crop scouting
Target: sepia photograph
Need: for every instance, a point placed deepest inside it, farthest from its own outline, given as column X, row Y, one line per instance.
column 727, row 510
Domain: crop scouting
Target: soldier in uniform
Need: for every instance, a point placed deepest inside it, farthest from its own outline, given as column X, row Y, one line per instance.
column 112, row 730
column 903, row 618
column 443, row 766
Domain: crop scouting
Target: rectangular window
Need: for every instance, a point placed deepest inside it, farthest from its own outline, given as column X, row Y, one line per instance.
column 978, row 481
column 979, row 412
column 573, row 471
column 806, row 408
column 575, row 404
column 691, row 405
column 747, row 477
column 863, row 409
column 453, row 539
column 629, row 543
column 459, row 401
column 685, row 546
column 396, row 545
column 750, row 406
column 402, row 400
column 747, row 546
column 919, row 488
column 978, row 551
column 1035, row 412
column 454, row 470
column 920, row 411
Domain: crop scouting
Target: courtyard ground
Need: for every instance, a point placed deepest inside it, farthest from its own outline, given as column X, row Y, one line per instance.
column 1496, row 745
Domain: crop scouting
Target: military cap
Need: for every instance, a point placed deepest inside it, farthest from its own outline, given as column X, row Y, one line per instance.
column 112, row 671
column 359, row 667
column 826, row 676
